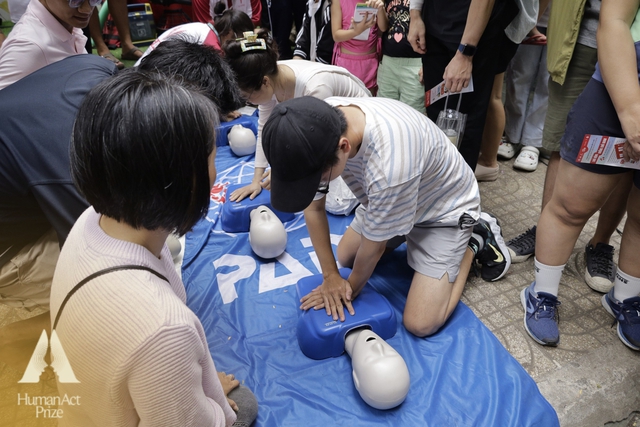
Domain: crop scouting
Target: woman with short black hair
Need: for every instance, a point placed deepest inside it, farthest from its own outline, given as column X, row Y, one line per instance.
column 142, row 154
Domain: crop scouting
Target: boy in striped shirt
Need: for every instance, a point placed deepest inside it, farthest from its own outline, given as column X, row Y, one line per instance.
column 412, row 184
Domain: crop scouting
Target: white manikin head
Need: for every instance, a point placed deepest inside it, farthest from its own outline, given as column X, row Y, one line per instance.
column 379, row 372
column 267, row 235
column 242, row 140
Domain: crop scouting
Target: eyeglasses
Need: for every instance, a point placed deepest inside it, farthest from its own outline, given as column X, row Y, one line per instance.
column 74, row 4
column 323, row 187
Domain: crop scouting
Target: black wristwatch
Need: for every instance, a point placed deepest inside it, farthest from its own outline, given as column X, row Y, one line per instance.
column 467, row 49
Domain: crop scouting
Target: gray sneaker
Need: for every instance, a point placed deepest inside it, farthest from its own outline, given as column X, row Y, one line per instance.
column 523, row 246
column 601, row 270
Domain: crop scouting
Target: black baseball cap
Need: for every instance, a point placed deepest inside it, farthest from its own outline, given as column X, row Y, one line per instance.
column 299, row 137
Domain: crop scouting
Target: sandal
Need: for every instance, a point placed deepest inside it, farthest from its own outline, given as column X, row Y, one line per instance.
column 113, row 59
column 131, row 55
column 527, row 160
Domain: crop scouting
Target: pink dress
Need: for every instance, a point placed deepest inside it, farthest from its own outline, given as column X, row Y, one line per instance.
column 365, row 67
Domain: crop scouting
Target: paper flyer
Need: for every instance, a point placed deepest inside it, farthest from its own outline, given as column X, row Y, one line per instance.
column 365, row 12
column 438, row 92
column 604, row 150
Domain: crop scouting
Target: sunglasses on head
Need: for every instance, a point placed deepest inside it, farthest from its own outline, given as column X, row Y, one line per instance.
column 74, row 4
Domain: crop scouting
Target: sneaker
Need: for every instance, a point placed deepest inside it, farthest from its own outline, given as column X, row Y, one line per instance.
column 601, row 270
column 506, row 150
column 540, row 316
column 522, row 247
column 627, row 315
column 494, row 256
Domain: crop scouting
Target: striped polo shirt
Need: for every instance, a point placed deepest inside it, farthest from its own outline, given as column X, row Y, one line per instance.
column 406, row 172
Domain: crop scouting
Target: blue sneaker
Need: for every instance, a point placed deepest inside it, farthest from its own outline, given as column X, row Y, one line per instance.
column 540, row 316
column 627, row 315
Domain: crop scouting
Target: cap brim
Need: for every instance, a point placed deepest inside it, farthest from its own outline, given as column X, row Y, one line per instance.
column 294, row 196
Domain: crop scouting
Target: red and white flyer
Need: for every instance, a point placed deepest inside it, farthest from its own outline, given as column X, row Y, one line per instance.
column 604, row 150
column 437, row 92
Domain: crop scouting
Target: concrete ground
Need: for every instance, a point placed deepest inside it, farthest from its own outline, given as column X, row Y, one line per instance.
column 591, row 378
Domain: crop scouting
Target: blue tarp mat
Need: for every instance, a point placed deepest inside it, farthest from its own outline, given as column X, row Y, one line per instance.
column 461, row 376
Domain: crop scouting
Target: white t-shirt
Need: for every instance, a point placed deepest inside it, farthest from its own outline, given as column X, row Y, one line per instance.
column 406, row 171
column 312, row 79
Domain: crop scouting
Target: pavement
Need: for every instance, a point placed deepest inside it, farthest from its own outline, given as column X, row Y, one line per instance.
column 591, row 378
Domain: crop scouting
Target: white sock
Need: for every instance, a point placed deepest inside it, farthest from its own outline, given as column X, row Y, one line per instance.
column 547, row 277
column 625, row 286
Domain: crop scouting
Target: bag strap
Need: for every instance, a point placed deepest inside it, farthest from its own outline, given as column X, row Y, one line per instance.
column 98, row 274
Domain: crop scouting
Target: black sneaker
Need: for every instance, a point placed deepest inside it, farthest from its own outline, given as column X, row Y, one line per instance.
column 494, row 256
column 601, row 270
column 523, row 246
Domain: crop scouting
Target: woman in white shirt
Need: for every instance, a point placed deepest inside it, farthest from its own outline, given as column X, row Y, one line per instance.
column 266, row 82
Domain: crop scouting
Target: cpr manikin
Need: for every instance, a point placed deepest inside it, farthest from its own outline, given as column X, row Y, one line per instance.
column 267, row 235
column 242, row 140
column 379, row 372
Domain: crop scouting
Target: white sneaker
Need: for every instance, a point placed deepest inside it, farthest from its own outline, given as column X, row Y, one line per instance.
column 527, row 160
column 506, row 150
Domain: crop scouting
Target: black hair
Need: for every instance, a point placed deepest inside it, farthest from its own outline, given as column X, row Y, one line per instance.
column 199, row 64
column 253, row 65
column 140, row 150
column 333, row 160
column 230, row 21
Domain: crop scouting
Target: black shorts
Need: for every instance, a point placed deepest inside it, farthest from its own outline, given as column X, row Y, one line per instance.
column 592, row 113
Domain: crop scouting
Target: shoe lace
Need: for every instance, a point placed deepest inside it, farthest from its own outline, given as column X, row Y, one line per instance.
column 602, row 261
column 525, row 240
column 547, row 308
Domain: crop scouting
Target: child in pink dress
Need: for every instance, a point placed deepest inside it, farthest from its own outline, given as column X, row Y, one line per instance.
column 360, row 57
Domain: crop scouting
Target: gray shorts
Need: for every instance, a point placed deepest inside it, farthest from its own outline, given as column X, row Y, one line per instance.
column 562, row 97
column 431, row 251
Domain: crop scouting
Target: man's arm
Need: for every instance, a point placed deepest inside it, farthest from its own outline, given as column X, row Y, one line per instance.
column 334, row 290
column 417, row 32
column 367, row 258
column 458, row 73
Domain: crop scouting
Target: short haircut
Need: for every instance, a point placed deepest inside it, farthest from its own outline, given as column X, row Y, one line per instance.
column 199, row 64
column 253, row 65
column 333, row 160
column 140, row 148
column 231, row 20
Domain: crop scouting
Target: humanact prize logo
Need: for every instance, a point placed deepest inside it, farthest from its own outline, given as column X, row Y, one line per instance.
column 48, row 406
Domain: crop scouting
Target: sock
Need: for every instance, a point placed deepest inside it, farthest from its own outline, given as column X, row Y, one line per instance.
column 625, row 286
column 476, row 243
column 547, row 277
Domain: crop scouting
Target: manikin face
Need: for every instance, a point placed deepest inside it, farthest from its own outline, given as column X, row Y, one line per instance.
column 69, row 17
column 379, row 372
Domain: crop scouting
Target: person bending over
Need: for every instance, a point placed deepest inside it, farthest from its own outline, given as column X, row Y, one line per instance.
column 411, row 182
column 265, row 81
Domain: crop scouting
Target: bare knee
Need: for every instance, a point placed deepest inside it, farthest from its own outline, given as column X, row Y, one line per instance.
column 422, row 328
column 571, row 214
column 345, row 258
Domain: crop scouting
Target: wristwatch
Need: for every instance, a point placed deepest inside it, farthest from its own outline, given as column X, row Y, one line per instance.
column 467, row 49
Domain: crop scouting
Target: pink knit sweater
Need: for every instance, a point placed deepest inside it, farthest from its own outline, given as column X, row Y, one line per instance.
column 140, row 354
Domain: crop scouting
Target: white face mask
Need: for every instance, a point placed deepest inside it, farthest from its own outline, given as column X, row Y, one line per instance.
column 379, row 372
column 267, row 235
column 242, row 141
